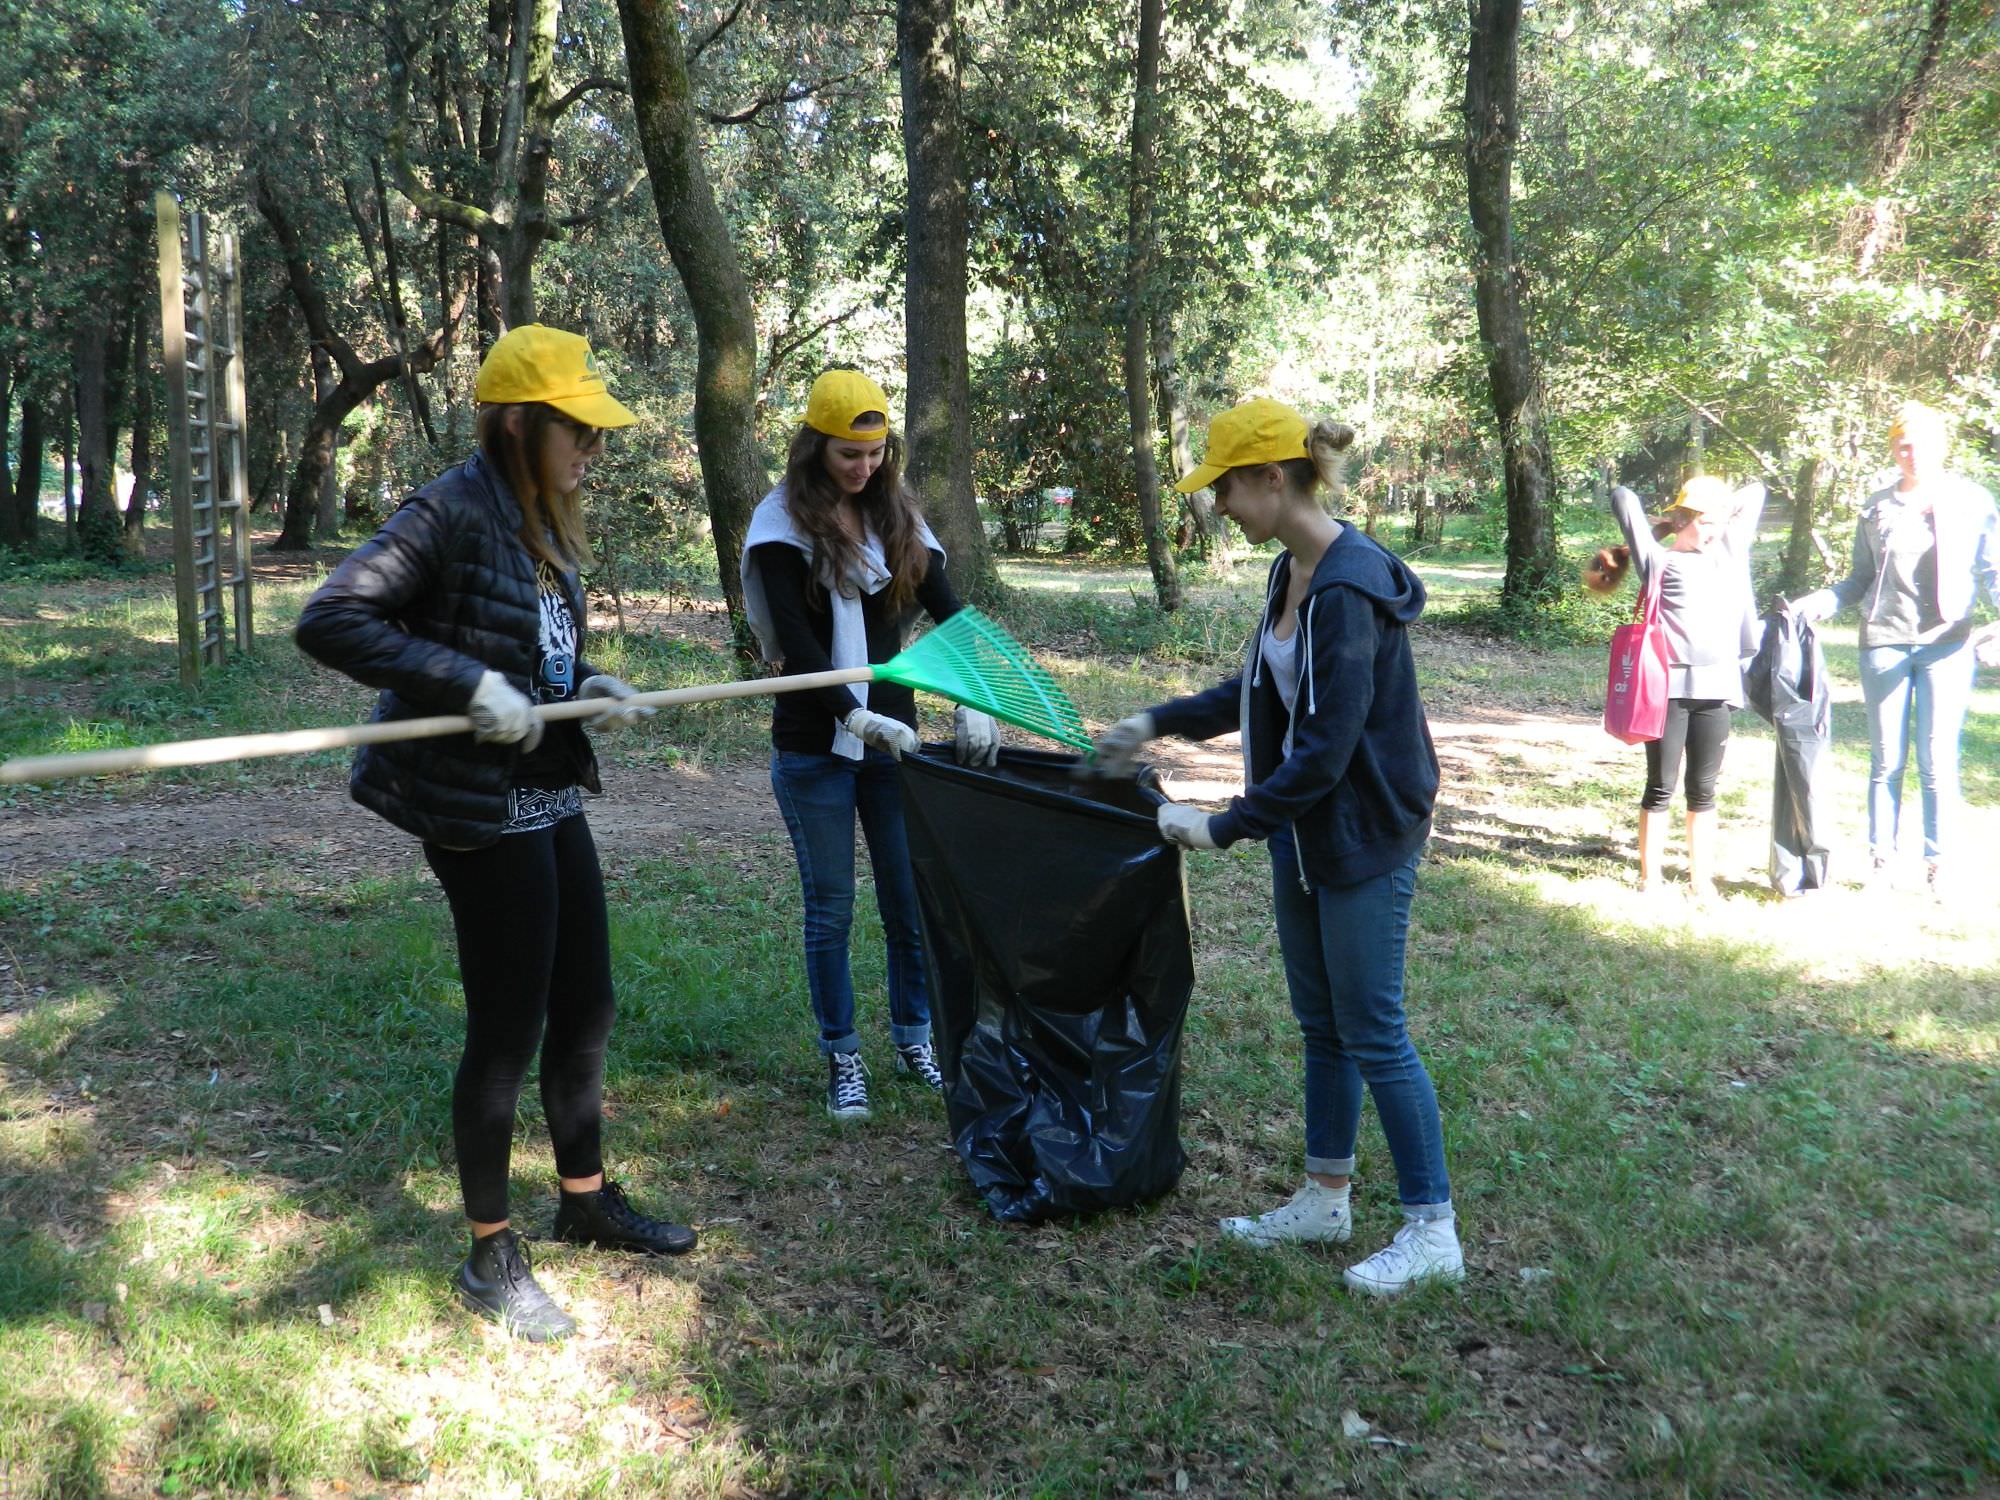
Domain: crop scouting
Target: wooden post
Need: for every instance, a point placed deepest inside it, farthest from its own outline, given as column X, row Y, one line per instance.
column 173, row 351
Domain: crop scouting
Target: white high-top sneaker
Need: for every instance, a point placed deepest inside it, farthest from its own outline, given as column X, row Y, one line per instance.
column 1423, row 1250
column 1315, row 1215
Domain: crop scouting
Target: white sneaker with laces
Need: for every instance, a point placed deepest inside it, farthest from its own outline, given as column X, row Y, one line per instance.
column 1423, row 1250
column 847, row 1086
column 1315, row 1215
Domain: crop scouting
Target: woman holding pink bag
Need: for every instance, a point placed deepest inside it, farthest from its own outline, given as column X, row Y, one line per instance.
column 1698, row 557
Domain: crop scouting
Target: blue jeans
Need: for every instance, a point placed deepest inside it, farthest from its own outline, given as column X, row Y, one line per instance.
column 1343, row 948
column 1931, row 685
column 819, row 796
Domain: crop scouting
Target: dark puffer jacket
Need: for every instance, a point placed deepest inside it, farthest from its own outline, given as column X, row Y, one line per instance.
column 442, row 593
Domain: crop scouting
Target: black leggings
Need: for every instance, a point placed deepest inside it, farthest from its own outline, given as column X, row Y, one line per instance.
column 1700, row 727
column 534, row 952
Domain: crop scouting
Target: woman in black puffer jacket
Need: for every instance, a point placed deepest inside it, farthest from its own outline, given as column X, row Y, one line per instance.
column 467, row 601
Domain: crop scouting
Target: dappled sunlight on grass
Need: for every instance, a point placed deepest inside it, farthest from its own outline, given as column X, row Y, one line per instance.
column 1685, row 1143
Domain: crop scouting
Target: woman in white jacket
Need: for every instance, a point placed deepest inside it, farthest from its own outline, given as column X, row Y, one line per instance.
column 1699, row 557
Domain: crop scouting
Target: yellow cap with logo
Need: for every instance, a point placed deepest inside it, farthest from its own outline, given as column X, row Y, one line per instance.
column 838, row 397
column 536, row 363
column 1262, row 431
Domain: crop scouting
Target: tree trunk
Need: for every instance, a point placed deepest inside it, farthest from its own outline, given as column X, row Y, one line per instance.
column 358, row 380
column 399, row 323
column 326, row 505
column 142, row 432
column 28, row 473
column 8, row 534
column 1138, row 305
column 66, row 434
column 1798, row 575
column 697, row 239
column 1491, row 132
column 1899, row 132
column 97, row 511
column 310, row 479
column 1210, row 532
column 281, row 458
column 938, row 420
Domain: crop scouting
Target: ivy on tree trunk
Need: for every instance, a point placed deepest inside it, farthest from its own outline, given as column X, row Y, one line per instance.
column 1492, row 133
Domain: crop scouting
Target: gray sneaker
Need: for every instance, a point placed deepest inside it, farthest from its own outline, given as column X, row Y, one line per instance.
column 846, row 1086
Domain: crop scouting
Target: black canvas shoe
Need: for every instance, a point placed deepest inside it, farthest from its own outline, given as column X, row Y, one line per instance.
column 846, row 1086
column 920, row 1062
column 496, row 1280
column 607, row 1219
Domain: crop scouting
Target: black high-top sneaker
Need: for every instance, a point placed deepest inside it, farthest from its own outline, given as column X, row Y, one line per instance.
column 919, row 1060
column 846, row 1086
column 607, row 1219
column 497, row 1280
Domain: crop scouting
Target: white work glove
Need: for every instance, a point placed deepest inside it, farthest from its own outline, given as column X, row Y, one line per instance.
column 1986, row 646
column 1816, row 606
column 975, row 737
column 604, row 685
column 1184, row 825
column 881, row 731
column 502, row 715
column 1120, row 745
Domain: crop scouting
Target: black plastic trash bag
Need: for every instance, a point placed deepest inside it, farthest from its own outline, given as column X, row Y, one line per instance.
column 1056, row 928
column 1786, row 684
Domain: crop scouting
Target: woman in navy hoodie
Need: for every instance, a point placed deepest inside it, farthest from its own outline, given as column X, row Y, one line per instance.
column 1340, row 778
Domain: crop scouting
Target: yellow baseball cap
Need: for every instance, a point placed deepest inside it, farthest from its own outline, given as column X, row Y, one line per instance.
column 535, row 363
column 1704, row 495
column 1256, row 432
column 1916, row 420
column 838, row 397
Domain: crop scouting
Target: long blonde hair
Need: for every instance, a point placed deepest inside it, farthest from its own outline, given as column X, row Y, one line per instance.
column 551, row 521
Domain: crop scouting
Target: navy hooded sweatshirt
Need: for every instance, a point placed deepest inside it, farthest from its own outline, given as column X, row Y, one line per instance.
column 1362, row 778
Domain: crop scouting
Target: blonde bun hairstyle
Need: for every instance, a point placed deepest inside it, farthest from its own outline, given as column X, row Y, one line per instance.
column 1327, row 442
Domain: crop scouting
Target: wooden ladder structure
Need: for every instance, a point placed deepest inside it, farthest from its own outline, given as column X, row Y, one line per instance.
column 201, row 333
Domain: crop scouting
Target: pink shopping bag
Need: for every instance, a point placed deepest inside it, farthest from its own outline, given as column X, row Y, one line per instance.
column 1635, row 697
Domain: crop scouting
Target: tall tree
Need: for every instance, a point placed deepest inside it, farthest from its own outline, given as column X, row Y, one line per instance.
column 698, row 240
column 358, row 378
column 518, row 148
column 1492, row 134
column 1140, row 242
column 939, row 419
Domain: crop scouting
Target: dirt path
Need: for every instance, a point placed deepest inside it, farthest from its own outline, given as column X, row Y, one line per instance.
column 647, row 809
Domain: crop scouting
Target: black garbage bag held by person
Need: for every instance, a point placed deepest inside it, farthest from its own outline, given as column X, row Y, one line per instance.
column 1786, row 685
column 1061, row 964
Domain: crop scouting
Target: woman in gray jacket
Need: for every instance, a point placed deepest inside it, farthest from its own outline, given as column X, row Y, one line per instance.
column 1924, row 550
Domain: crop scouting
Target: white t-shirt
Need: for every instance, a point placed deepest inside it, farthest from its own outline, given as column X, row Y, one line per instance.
column 1281, row 660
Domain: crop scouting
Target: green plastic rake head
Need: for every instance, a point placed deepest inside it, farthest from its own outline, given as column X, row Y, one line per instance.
column 970, row 660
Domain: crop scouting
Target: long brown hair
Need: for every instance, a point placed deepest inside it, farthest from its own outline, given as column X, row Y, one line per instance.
column 886, row 505
column 551, row 521
column 1607, row 569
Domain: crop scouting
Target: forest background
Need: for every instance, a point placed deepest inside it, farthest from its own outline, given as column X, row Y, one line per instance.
column 1526, row 251
column 1725, row 1174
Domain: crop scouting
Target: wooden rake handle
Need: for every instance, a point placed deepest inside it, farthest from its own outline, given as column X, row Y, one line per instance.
column 25, row 768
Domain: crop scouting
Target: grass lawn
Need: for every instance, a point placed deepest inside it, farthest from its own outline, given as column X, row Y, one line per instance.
column 1725, row 1177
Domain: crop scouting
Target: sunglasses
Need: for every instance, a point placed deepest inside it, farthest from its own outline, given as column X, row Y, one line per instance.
column 588, row 439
